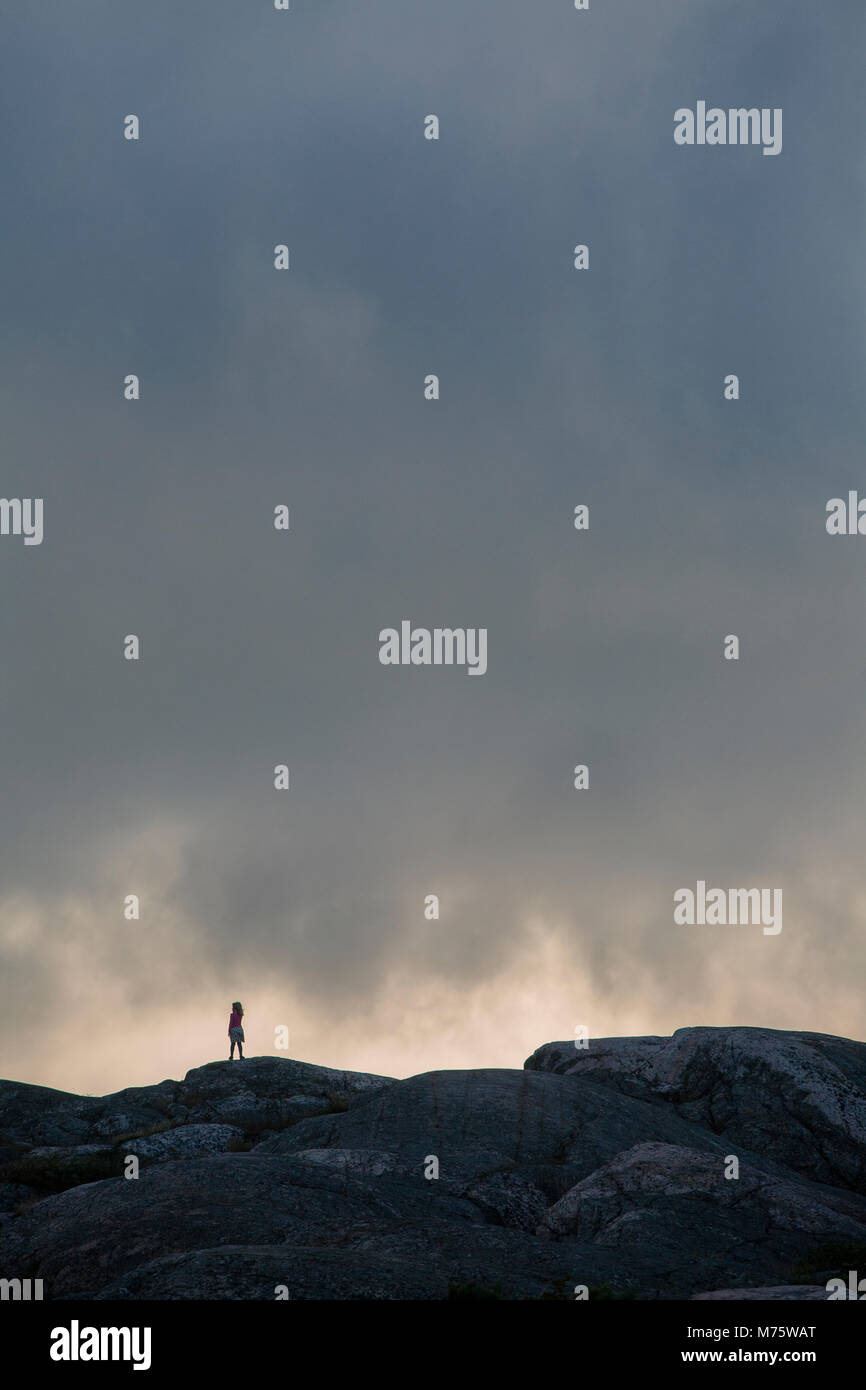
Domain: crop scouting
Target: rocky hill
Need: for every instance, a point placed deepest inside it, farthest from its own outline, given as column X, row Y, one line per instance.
column 604, row 1167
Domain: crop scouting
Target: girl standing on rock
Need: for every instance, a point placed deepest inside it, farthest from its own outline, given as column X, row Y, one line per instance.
column 236, row 1032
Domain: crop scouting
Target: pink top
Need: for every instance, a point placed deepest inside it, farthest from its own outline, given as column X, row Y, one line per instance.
column 234, row 1019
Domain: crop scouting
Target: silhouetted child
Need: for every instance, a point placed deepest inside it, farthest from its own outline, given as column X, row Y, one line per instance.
column 236, row 1032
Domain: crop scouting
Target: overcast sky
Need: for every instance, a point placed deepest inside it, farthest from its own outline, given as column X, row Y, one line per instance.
column 305, row 387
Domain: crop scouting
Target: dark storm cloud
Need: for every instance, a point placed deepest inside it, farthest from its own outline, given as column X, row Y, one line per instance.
column 410, row 257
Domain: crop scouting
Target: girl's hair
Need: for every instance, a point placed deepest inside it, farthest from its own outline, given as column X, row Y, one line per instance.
column 237, row 1006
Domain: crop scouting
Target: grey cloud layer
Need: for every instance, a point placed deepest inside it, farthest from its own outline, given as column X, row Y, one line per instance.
column 557, row 388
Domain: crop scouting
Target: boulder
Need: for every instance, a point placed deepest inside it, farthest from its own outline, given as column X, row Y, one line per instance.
column 603, row 1168
column 16, row 1194
column 243, row 1272
column 82, row 1239
column 674, row 1188
column 49, row 1168
column 187, row 1141
column 39, row 1116
column 791, row 1293
column 430, row 1260
column 797, row 1097
column 270, row 1093
column 478, row 1122
column 258, row 1093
